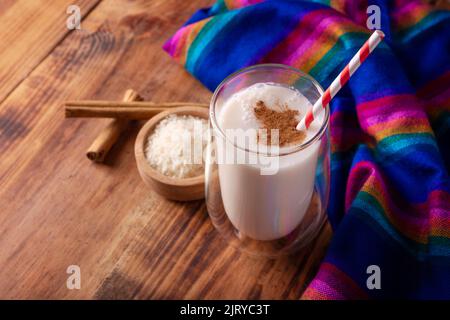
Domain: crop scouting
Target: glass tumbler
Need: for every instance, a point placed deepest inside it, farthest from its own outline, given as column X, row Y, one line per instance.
column 276, row 213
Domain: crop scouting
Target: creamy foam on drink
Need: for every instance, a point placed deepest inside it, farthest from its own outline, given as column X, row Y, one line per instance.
column 238, row 110
column 266, row 207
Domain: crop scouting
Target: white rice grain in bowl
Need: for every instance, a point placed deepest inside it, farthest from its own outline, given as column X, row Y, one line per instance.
column 163, row 157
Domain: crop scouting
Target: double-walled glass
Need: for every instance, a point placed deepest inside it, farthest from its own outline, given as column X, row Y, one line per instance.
column 270, row 213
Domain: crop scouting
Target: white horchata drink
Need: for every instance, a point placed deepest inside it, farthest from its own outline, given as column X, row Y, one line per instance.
column 262, row 203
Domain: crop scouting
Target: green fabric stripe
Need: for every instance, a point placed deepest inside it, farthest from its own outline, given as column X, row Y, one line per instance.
column 370, row 207
column 325, row 2
column 426, row 23
column 395, row 143
column 205, row 36
column 219, row 7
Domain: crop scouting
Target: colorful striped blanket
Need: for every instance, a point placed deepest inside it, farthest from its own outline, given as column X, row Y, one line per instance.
column 390, row 128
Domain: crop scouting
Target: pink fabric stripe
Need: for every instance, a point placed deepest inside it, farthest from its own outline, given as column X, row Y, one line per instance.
column 416, row 221
column 409, row 116
column 295, row 39
column 389, row 104
column 337, row 284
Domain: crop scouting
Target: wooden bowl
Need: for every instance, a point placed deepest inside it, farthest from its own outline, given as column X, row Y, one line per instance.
column 179, row 189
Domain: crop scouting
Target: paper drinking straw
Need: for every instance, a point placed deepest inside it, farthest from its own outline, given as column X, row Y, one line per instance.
column 342, row 79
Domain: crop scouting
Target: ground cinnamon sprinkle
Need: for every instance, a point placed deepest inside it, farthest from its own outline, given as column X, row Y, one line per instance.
column 285, row 121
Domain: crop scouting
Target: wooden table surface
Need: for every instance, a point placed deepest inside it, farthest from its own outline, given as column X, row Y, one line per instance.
column 59, row 209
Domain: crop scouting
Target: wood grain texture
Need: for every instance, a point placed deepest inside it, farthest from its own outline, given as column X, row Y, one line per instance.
column 29, row 31
column 60, row 209
column 4, row 5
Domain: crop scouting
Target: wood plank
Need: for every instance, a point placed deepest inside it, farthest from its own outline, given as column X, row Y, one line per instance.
column 5, row 5
column 194, row 262
column 60, row 209
column 29, row 30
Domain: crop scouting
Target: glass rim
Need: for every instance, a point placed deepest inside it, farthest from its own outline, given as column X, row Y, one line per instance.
column 292, row 149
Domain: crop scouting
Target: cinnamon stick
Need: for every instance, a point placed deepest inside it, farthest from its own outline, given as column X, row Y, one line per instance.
column 124, row 110
column 109, row 135
column 127, row 104
column 131, row 113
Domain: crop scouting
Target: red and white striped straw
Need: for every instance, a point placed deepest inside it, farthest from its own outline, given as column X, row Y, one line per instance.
column 342, row 79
